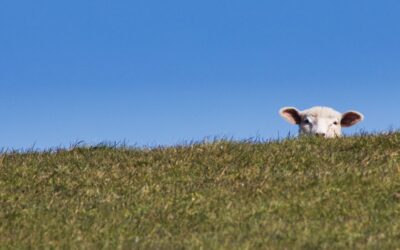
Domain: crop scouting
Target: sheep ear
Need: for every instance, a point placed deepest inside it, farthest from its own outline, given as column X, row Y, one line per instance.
column 290, row 114
column 351, row 118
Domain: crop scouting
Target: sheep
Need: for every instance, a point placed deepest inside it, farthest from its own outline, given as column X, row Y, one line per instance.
column 321, row 121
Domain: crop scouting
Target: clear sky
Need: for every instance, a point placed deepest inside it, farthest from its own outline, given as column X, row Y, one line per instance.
column 156, row 72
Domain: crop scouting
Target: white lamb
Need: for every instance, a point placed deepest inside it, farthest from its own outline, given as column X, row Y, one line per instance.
column 321, row 121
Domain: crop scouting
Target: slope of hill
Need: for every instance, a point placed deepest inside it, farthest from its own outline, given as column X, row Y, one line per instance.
column 298, row 193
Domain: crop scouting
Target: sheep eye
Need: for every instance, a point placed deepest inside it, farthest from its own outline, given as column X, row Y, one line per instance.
column 336, row 123
column 306, row 121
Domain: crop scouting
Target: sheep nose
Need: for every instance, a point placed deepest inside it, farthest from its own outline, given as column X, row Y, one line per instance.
column 321, row 134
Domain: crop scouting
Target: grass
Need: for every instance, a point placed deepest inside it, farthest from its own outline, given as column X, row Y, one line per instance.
column 306, row 193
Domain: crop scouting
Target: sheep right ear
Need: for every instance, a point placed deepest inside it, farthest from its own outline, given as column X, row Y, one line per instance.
column 351, row 118
column 290, row 114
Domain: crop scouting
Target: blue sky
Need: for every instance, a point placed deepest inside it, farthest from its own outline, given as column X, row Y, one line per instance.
column 157, row 72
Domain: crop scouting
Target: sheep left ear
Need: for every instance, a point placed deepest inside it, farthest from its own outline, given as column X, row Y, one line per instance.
column 291, row 114
column 351, row 118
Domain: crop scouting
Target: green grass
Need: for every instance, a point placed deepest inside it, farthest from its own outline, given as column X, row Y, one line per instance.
column 306, row 193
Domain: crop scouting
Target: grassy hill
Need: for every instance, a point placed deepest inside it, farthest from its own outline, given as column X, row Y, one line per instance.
column 306, row 193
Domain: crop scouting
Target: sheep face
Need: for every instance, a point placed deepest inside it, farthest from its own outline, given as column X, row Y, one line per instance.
column 321, row 121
